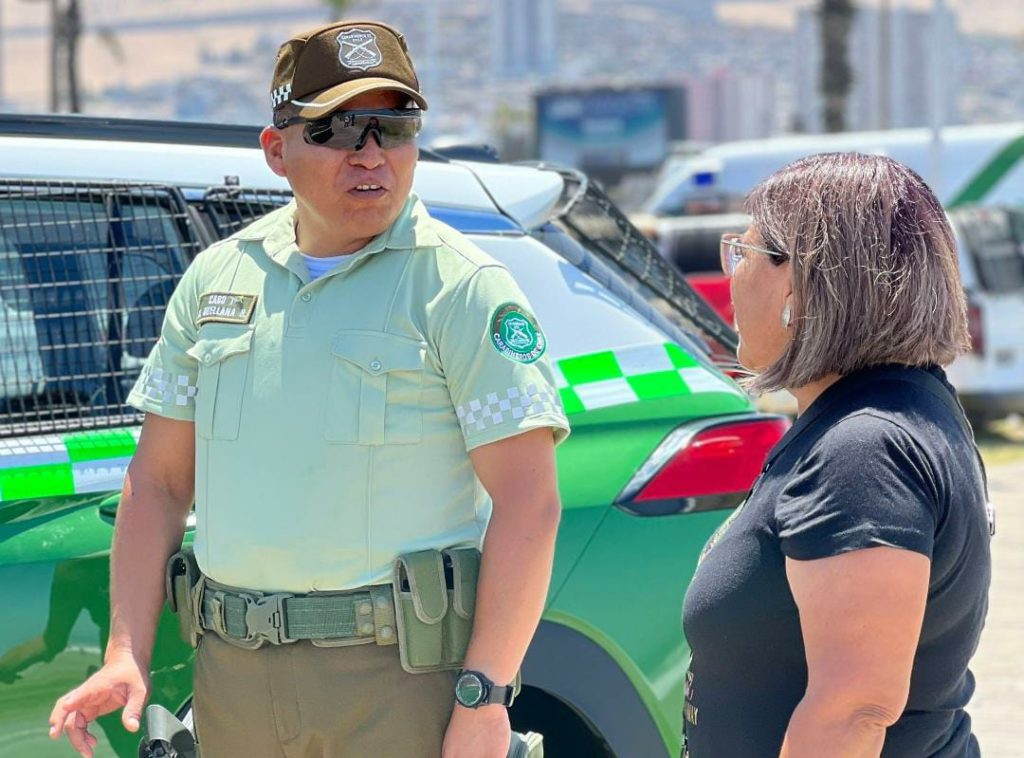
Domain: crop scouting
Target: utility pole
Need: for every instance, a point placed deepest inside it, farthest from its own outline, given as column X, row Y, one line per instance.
column 937, row 99
column 885, row 64
column 1, row 54
column 432, row 83
column 55, row 36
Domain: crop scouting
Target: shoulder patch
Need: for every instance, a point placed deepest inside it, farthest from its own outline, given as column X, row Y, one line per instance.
column 225, row 307
column 516, row 334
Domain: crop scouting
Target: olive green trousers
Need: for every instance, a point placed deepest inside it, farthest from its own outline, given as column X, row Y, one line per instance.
column 302, row 701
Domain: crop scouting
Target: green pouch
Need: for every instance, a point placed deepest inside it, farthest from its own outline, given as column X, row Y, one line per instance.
column 462, row 569
column 435, row 596
column 183, row 579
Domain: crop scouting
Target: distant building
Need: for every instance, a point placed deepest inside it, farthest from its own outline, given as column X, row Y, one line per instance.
column 525, row 38
column 727, row 106
column 893, row 58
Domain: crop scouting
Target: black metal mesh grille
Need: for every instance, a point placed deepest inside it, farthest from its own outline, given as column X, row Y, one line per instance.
column 593, row 219
column 231, row 209
column 86, row 270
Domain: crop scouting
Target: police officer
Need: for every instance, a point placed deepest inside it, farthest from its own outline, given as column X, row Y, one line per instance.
column 343, row 382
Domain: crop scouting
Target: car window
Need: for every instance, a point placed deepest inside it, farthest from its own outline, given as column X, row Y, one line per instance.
column 230, row 209
column 692, row 242
column 85, row 274
column 21, row 367
column 993, row 241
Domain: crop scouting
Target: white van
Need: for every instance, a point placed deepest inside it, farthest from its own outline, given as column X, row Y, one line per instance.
column 990, row 379
column 980, row 165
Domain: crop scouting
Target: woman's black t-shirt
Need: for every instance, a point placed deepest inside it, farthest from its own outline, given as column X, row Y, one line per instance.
column 882, row 458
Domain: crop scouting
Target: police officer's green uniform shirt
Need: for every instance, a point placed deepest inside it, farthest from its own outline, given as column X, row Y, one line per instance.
column 333, row 417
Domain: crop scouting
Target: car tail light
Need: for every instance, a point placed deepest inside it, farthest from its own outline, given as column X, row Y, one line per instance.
column 976, row 327
column 703, row 466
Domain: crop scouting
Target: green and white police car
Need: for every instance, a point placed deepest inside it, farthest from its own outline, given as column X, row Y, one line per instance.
column 98, row 220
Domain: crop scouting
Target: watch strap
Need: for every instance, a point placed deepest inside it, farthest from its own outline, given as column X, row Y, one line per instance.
column 500, row 695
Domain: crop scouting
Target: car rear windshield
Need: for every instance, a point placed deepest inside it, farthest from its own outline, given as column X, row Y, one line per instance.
column 85, row 274
column 994, row 242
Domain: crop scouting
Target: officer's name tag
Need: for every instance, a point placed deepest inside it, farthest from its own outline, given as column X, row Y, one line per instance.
column 226, row 308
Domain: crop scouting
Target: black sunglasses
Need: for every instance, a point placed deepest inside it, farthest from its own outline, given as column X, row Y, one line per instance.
column 349, row 130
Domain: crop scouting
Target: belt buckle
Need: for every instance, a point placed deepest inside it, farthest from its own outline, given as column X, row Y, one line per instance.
column 264, row 618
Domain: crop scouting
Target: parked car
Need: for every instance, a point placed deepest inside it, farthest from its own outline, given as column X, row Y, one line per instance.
column 990, row 240
column 691, row 244
column 98, row 220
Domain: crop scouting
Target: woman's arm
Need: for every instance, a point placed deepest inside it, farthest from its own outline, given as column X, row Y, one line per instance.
column 860, row 615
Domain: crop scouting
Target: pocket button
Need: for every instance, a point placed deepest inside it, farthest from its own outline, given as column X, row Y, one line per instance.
column 376, row 365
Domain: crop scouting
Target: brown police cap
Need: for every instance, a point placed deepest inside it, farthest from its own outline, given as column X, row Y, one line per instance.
column 320, row 70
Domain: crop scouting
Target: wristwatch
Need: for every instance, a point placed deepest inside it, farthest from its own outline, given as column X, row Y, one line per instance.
column 473, row 689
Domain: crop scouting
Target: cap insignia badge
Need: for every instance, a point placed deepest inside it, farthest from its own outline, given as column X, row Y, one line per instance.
column 357, row 49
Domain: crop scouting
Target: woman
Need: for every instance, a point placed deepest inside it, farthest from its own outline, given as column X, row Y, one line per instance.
column 835, row 613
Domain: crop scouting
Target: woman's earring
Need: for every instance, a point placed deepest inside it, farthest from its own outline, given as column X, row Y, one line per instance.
column 787, row 316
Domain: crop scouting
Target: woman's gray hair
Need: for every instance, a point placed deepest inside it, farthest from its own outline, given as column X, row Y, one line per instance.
column 874, row 262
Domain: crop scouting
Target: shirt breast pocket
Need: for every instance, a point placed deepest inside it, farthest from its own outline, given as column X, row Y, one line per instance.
column 375, row 391
column 223, row 353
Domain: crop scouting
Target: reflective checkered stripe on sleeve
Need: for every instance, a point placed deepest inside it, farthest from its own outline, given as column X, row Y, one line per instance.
column 514, row 402
column 74, row 464
column 634, row 374
column 166, row 388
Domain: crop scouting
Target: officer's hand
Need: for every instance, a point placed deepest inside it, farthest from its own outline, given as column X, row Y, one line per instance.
column 478, row 733
column 122, row 682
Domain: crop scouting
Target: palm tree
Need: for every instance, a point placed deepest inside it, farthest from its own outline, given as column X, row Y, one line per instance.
column 65, row 31
column 836, row 17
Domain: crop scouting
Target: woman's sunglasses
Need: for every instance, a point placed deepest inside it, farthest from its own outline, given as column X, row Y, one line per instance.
column 349, row 130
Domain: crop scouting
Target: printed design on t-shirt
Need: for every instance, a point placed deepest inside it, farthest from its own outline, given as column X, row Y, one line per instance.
column 690, row 711
column 719, row 533
column 225, row 307
column 516, row 334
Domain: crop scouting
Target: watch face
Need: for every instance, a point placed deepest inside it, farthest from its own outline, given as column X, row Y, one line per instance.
column 469, row 690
